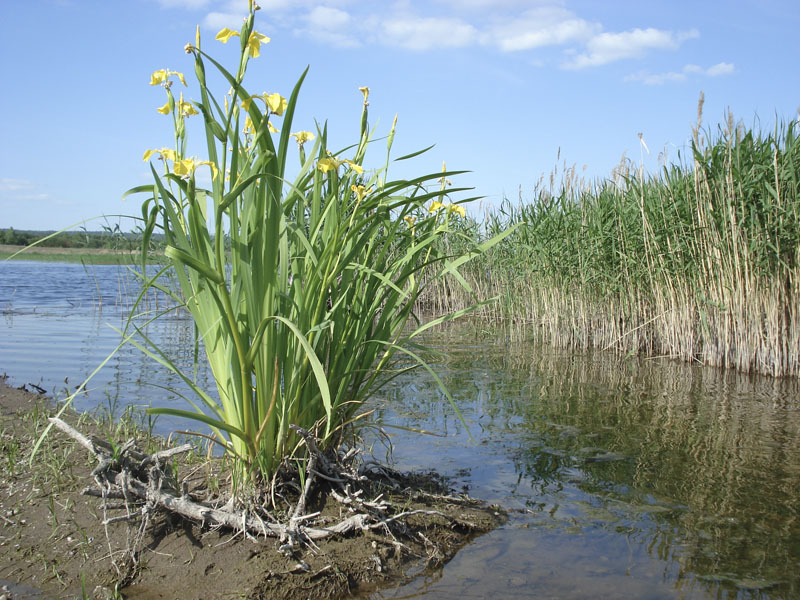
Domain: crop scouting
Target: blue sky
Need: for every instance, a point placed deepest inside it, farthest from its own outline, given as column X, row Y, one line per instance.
column 499, row 86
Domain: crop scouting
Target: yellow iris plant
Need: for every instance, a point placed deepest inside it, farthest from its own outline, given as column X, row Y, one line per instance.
column 344, row 227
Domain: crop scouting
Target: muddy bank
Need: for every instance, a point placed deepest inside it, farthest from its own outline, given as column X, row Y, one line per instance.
column 53, row 542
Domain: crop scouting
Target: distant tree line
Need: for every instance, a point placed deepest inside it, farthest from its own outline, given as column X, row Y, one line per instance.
column 111, row 238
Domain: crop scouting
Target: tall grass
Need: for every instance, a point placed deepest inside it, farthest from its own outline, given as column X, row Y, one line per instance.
column 303, row 309
column 699, row 262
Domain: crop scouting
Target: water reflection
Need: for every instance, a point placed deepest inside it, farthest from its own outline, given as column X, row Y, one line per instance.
column 676, row 481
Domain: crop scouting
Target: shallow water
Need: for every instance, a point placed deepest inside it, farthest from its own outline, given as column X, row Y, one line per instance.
column 59, row 322
column 624, row 478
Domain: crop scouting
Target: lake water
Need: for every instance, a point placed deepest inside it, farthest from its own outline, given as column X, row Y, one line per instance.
column 624, row 478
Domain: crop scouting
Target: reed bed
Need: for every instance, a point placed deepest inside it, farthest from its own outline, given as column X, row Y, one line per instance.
column 698, row 262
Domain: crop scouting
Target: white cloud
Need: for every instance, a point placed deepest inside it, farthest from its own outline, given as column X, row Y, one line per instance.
column 39, row 196
column 543, row 26
column 717, row 70
column 218, row 20
column 722, row 68
column 332, row 38
column 424, row 33
column 326, row 17
column 330, row 26
column 507, row 25
column 230, row 14
column 656, row 78
column 14, row 185
column 605, row 48
column 20, row 189
column 187, row 4
column 493, row 5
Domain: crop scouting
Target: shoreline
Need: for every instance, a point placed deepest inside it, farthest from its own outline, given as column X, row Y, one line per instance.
column 97, row 256
column 46, row 520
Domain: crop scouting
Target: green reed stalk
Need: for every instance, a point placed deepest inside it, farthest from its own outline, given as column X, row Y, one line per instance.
column 300, row 289
column 701, row 262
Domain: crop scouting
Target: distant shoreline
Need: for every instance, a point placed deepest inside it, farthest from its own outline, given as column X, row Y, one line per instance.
column 97, row 256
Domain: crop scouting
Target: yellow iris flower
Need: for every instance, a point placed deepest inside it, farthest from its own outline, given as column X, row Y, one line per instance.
column 360, row 191
column 353, row 166
column 164, row 154
column 443, row 180
column 253, row 42
column 436, row 206
column 365, row 91
column 455, row 208
column 326, row 164
column 276, row 103
column 187, row 109
column 163, row 75
column 250, row 128
column 187, row 167
column 225, row 34
column 302, row 137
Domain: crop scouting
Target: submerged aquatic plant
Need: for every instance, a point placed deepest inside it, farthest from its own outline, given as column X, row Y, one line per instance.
column 300, row 290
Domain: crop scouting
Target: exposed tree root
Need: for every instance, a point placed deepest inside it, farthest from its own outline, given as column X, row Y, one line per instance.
column 144, row 483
